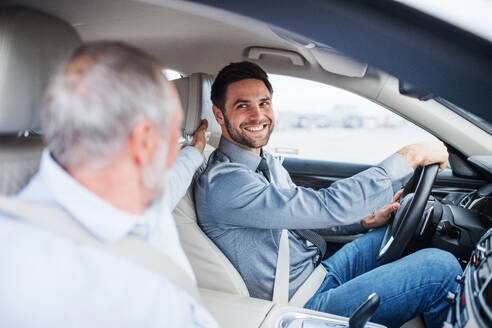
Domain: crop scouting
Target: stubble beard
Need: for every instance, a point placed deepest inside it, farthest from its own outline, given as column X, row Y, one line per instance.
column 239, row 137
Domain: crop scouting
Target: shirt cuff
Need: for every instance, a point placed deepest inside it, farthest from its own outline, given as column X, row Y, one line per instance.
column 345, row 230
column 398, row 170
column 354, row 228
column 194, row 157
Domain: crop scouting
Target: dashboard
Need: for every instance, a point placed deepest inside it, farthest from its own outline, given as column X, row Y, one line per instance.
column 458, row 221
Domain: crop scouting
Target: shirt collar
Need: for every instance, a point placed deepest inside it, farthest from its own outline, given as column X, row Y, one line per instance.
column 99, row 217
column 238, row 154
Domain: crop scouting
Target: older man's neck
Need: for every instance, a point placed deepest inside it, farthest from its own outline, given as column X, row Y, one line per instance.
column 116, row 183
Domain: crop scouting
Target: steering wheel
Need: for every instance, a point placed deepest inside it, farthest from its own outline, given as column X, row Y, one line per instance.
column 407, row 218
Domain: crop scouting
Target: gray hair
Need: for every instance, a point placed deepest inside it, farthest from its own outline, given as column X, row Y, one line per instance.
column 94, row 102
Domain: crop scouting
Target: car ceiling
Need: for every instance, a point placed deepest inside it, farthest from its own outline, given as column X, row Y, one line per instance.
column 191, row 37
column 184, row 41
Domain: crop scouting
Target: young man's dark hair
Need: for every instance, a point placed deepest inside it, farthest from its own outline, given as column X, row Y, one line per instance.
column 235, row 72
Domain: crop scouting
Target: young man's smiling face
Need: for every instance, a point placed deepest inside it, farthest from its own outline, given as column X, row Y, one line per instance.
column 247, row 120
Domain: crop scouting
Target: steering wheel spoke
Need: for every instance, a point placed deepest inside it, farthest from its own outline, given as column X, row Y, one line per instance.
column 386, row 246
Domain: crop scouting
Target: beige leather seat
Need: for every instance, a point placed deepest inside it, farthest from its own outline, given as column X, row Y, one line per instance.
column 194, row 92
column 212, row 269
column 32, row 45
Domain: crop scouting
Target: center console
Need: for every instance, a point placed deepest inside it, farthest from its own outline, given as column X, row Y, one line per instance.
column 247, row 312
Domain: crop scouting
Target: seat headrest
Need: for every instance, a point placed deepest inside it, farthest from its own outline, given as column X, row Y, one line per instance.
column 32, row 46
column 194, row 91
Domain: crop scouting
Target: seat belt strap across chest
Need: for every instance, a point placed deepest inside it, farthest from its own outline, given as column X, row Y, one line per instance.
column 309, row 235
column 131, row 248
column 281, row 284
column 282, row 271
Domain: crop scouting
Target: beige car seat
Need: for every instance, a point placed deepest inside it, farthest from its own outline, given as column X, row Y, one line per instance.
column 212, row 268
column 32, row 45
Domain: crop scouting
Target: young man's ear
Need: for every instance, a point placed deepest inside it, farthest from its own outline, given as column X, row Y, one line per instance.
column 143, row 142
column 219, row 116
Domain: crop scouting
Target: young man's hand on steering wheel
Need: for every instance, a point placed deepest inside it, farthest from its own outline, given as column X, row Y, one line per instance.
column 382, row 216
column 426, row 153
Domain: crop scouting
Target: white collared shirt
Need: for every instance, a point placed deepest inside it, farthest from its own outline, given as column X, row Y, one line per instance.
column 49, row 280
column 186, row 164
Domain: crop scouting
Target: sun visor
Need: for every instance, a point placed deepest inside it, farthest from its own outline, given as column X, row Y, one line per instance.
column 337, row 63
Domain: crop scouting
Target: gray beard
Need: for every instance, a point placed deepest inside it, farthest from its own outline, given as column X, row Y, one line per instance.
column 155, row 176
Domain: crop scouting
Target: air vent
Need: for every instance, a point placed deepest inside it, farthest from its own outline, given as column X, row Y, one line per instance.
column 465, row 201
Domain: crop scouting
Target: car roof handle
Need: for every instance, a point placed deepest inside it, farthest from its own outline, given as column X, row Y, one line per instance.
column 257, row 52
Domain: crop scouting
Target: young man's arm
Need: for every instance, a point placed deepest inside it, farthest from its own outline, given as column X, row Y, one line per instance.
column 232, row 195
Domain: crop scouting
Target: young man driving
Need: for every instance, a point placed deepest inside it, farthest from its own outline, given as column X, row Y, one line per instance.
column 245, row 198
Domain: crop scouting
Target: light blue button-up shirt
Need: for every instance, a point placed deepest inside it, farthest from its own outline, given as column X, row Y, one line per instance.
column 243, row 213
column 48, row 280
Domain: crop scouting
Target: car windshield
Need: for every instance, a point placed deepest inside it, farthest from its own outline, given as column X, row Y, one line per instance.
column 482, row 123
column 469, row 15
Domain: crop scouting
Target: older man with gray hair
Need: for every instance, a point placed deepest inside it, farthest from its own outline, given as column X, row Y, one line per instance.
column 111, row 123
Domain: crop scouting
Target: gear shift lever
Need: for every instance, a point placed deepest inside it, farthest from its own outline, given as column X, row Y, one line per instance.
column 364, row 312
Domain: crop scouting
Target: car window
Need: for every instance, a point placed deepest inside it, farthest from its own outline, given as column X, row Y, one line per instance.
column 318, row 121
column 171, row 74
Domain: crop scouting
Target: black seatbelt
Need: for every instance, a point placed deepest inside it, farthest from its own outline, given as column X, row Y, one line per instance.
column 315, row 238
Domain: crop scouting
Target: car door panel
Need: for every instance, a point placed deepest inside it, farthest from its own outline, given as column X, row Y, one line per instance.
column 319, row 174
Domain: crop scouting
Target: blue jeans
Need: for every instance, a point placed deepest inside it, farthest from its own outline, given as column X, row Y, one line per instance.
column 415, row 284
